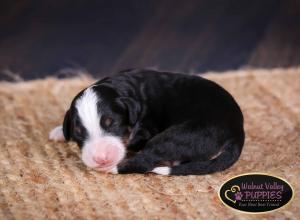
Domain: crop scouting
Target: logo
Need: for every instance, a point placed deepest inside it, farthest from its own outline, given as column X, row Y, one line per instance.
column 256, row 193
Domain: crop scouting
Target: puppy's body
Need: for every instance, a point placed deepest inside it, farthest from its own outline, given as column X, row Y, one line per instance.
column 186, row 123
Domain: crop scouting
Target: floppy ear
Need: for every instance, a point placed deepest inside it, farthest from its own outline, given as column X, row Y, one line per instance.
column 132, row 107
column 67, row 125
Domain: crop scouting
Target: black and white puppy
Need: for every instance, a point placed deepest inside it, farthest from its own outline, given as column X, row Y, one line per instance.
column 177, row 124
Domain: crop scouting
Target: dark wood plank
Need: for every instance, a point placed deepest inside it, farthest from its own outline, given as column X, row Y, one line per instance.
column 39, row 38
column 280, row 45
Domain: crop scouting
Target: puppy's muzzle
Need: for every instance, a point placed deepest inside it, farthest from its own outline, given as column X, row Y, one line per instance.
column 103, row 153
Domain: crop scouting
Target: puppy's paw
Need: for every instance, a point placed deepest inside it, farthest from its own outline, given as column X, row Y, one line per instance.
column 56, row 134
column 114, row 170
column 162, row 170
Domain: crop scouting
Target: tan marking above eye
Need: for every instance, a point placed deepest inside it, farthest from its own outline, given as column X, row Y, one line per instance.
column 108, row 121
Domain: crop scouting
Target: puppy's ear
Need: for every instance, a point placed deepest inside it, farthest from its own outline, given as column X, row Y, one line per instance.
column 132, row 107
column 67, row 125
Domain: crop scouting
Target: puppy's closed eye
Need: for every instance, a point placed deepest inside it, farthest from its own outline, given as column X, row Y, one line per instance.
column 78, row 129
column 106, row 121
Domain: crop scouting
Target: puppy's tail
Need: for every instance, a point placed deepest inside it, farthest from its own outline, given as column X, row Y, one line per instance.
column 230, row 154
column 224, row 160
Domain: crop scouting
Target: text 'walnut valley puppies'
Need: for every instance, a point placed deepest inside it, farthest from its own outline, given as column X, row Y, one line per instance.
column 178, row 124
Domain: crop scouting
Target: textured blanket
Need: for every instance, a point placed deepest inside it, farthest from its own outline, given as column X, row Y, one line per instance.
column 40, row 179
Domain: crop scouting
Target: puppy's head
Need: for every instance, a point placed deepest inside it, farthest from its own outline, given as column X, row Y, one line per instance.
column 100, row 121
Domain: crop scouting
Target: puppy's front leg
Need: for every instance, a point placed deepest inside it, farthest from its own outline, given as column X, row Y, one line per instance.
column 141, row 163
column 56, row 134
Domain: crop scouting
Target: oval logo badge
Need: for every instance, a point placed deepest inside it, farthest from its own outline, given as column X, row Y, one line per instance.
column 256, row 193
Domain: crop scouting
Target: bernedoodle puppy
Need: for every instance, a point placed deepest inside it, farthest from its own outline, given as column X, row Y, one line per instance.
column 175, row 124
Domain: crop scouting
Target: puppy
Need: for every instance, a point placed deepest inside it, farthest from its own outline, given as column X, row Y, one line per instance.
column 176, row 124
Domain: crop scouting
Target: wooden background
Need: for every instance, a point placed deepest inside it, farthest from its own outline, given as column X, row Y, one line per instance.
column 38, row 38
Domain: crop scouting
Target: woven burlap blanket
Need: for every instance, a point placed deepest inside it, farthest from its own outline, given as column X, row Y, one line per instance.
column 40, row 179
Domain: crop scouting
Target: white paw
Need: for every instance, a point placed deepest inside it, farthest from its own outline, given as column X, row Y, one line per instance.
column 114, row 170
column 56, row 134
column 162, row 170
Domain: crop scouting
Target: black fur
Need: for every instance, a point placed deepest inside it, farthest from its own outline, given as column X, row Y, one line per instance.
column 172, row 117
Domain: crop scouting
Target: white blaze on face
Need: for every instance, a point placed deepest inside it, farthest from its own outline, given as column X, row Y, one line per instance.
column 100, row 150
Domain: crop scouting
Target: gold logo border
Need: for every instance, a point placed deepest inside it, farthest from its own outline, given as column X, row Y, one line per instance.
column 263, row 212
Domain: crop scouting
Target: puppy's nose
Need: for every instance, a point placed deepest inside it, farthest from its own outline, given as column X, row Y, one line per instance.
column 102, row 161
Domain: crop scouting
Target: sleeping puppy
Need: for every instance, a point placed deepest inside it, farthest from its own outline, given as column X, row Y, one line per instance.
column 175, row 124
